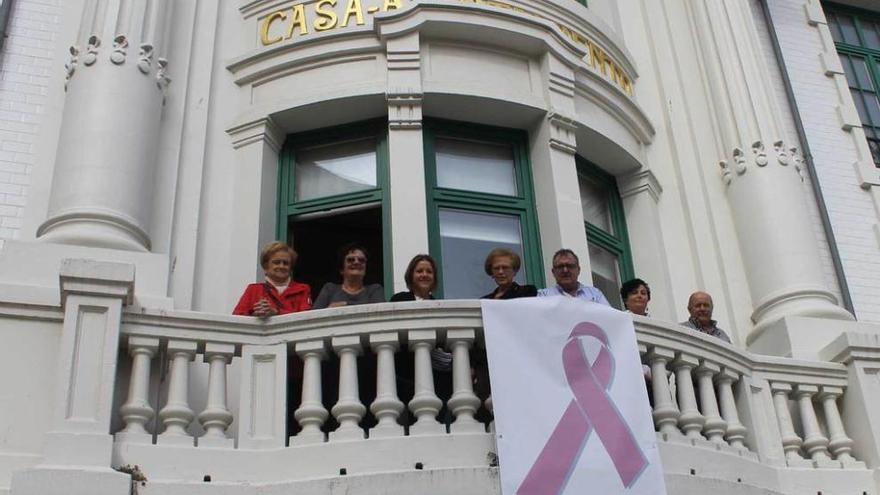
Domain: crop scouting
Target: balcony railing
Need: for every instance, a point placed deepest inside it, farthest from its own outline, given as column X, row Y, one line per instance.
column 342, row 369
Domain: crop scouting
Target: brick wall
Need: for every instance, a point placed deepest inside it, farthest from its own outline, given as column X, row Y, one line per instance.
column 25, row 65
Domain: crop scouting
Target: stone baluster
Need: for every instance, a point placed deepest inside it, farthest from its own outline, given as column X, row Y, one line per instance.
column 177, row 415
column 666, row 412
column 424, row 405
column 690, row 421
column 387, row 406
column 137, row 412
column 715, row 427
column 311, row 413
column 463, row 403
column 348, row 410
column 216, row 418
column 791, row 443
column 736, row 432
column 839, row 444
column 815, row 443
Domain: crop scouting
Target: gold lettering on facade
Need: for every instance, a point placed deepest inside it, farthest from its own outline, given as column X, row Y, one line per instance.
column 267, row 23
column 298, row 19
column 326, row 17
column 353, row 9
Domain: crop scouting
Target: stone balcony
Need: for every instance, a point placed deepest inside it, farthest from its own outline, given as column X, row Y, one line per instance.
column 303, row 397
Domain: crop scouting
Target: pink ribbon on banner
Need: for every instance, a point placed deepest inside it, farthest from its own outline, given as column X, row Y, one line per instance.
column 591, row 409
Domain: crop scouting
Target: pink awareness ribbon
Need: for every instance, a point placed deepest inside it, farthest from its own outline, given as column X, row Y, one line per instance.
column 591, row 409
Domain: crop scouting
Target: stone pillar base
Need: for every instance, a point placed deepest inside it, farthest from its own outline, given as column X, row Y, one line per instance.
column 796, row 336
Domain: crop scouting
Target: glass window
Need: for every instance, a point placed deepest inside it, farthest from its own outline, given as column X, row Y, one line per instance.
column 335, row 168
column 594, row 202
column 610, row 258
column 606, row 274
column 332, row 192
column 857, row 36
column 465, row 239
column 479, row 198
column 475, row 166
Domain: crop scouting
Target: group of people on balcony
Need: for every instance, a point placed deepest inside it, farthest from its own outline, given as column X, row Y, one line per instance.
column 280, row 294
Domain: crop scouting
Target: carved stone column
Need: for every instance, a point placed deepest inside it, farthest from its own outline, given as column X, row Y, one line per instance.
column 102, row 190
column 763, row 173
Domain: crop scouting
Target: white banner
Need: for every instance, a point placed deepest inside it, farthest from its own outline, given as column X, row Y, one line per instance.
column 571, row 407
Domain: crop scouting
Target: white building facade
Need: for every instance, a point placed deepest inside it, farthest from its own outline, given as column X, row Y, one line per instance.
column 148, row 149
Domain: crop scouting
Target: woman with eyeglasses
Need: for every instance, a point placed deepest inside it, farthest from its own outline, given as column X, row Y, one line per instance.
column 352, row 265
column 502, row 265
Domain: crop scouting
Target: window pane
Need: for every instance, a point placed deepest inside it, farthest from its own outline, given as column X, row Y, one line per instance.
column 595, row 204
column 873, row 108
column 606, row 274
column 475, row 166
column 335, row 168
column 871, row 33
column 848, row 29
column 860, row 104
column 465, row 240
column 846, row 62
column 862, row 75
column 834, row 26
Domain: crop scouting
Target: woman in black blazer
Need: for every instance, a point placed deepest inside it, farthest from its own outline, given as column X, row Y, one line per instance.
column 421, row 279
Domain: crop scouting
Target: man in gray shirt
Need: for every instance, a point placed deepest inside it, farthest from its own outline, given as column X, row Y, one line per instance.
column 700, row 307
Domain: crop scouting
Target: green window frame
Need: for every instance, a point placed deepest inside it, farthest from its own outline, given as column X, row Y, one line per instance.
column 617, row 241
column 856, row 34
column 289, row 206
column 521, row 205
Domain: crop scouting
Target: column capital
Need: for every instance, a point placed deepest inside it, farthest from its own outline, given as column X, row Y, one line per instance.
column 404, row 111
column 96, row 278
column 562, row 132
column 642, row 181
column 261, row 130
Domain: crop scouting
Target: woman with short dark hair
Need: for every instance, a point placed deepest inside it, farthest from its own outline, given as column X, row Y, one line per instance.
column 352, row 265
column 635, row 295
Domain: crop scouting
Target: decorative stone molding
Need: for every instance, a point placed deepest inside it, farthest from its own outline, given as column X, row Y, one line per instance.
column 741, row 159
column 145, row 58
column 562, row 84
column 562, row 132
column 260, row 130
column 120, row 50
column 70, row 65
column 405, row 111
column 91, row 55
column 639, row 182
column 815, row 15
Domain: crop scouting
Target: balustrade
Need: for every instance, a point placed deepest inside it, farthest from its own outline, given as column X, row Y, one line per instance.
column 704, row 409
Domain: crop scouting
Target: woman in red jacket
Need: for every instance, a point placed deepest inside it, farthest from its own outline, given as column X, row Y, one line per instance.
column 278, row 294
